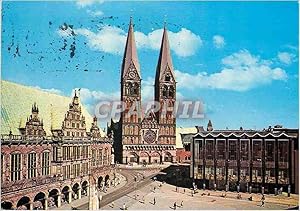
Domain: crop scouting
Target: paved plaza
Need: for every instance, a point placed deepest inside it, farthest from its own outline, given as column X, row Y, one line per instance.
column 166, row 195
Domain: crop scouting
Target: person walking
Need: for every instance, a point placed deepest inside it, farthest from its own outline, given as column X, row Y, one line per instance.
column 154, row 201
column 124, row 206
column 262, row 201
column 175, row 205
column 181, row 204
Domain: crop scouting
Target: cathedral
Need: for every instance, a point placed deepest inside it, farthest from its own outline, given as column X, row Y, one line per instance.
column 146, row 137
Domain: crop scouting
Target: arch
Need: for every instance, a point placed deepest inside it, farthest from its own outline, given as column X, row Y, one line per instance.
column 6, row 205
column 155, row 157
column 24, row 203
column 65, row 194
column 126, row 130
column 99, row 183
column 53, row 198
column 171, row 131
column 144, row 157
column 84, row 186
column 75, row 188
column 162, row 130
column 168, row 157
column 131, row 130
column 133, row 157
column 39, row 201
column 136, row 130
column 106, row 180
column 167, row 131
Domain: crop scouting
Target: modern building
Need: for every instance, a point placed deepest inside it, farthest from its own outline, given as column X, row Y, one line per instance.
column 51, row 158
column 146, row 137
column 246, row 160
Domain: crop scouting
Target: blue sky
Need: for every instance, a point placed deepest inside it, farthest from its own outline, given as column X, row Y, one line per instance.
column 239, row 58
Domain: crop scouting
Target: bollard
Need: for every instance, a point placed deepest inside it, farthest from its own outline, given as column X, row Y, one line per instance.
column 238, row 188
column 226, row 187
column 203, row 186
column 275, row 191
column 215, row 187
column 250, row 189
column 289, row 190
column 262, row 190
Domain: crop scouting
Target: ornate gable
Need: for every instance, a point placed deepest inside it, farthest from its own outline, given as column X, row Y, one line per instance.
column 34, row 126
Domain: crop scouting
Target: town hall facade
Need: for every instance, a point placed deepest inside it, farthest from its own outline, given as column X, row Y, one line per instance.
column 146, row 137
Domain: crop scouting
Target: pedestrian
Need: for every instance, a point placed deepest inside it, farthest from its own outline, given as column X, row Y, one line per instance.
column 124, row 206
column 154, row 201
column 175, row 205
column 184, row 190
column 262, row 201
column 181, row 204
column 112, row 205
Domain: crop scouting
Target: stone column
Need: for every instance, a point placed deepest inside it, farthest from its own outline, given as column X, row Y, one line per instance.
column 31, row 205
column 46, row 203
column 70, row 196
column 79, row 193
column 58, row 200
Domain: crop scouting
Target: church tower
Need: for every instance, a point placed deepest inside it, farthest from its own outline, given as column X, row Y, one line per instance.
column 165, row 93
column 130, row 94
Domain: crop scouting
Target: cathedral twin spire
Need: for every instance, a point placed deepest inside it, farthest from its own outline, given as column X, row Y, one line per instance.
column 130, row 56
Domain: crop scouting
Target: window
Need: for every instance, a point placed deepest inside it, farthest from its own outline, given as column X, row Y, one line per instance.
column 105, row 157
column 45, row 163
column 64, row 153
column 283, row 147
column 31, row 165
column 232, row 150
column 93, row 157
column 257, row 151
column 270, row 151
column 54, row 154
column 221, row 149
column 244, row 150
column 209, row 149
column 76, row 170
column 100, row 157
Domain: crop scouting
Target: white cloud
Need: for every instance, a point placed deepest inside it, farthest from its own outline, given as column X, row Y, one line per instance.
column 218, row 41
column 95, row 13
column 286, row 58
column 241, row 72
column 111, row 39
column 85, row 3
column 51, row 90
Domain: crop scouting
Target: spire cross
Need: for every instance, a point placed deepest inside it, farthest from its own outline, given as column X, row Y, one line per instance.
column 131, row 14
column 165, row 21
